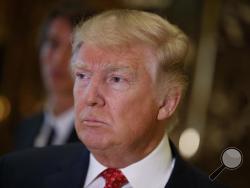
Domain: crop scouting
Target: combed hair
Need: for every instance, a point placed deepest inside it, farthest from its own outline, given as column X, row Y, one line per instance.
column 116, row 28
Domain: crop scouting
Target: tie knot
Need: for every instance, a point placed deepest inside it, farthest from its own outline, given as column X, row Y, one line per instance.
column 114, row 178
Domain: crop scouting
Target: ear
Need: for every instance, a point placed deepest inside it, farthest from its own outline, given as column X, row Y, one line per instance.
column 169, row 103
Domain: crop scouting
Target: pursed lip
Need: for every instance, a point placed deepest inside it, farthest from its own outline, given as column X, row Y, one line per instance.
column 93, row 122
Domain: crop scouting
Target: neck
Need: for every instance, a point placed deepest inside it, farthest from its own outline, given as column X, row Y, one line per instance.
column 124, row 157
column 60, row 103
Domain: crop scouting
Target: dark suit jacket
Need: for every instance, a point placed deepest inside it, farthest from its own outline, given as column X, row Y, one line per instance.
column 28, row 130
column 66, row 167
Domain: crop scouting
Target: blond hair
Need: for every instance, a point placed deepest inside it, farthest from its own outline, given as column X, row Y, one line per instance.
column 124, row 27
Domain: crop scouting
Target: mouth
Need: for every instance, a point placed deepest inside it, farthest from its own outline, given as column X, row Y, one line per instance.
column 89, row 122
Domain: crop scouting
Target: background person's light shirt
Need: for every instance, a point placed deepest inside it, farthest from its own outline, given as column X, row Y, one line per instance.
column 152, row 171
column 63, row 125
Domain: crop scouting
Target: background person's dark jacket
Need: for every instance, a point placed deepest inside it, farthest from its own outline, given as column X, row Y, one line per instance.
column 29, row 129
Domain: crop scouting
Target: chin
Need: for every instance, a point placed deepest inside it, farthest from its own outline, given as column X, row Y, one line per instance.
column 96, row 146
column 95, row 141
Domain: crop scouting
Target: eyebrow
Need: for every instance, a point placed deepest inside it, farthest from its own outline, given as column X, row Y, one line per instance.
column 77, row 64
column 108, row 67
column 113, row 68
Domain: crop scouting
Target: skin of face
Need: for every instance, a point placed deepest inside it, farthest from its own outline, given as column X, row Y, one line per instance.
column 116, row 103
column 55, row 56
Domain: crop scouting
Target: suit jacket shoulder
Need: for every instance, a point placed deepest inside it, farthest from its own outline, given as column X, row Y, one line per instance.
column 67, row 166
column 185, row 175
column 55, row 166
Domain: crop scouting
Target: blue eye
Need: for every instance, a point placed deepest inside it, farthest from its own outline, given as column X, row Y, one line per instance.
column 81, row 76
column 116, row 79
column 118, row 82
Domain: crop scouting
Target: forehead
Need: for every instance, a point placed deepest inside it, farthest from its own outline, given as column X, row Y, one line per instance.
column 59, row 26
column 125, row 57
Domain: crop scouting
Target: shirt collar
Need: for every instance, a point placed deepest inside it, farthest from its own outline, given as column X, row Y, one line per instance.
column 154, row 170
column 95, row 168
column 62, row 123
column 144, row 173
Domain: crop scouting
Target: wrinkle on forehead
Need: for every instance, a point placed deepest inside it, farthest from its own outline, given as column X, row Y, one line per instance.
column 109, row 66
column 122, row 58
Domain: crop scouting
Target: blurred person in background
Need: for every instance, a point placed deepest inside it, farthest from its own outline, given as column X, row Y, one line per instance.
column 55, row 124
column 128, row 82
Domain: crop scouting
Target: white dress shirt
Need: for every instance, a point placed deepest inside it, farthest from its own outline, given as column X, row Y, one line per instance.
column 62, row 124
column 152, row 171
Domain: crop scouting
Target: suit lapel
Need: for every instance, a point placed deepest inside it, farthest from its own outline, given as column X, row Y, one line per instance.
column 70, row 173
column 73, row 136
column 36, row 126
column 180, row 175
column 184, row 175
column 27, row 131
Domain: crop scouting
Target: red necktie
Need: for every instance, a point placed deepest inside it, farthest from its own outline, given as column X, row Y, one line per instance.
column 114, row 178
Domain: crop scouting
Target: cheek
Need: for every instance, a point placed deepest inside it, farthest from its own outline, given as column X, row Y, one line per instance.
column 125, row 110
column 136, row 110
column 44, row 54
column 45, row 64
column 77, row 99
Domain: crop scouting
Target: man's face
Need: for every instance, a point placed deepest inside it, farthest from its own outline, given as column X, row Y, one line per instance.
column 115, row 97
column 55, row 56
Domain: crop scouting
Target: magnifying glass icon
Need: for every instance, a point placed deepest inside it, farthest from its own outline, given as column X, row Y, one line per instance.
column 231, row 159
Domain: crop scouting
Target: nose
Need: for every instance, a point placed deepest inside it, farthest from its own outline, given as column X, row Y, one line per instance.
column 61, row 55
column 93, row 94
